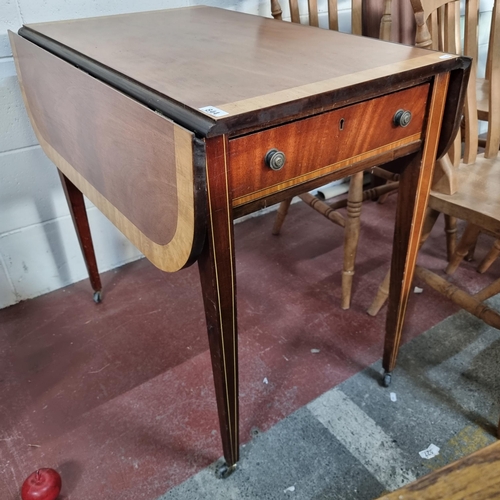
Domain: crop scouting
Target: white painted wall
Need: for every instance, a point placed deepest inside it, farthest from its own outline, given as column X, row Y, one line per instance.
column 39, row 251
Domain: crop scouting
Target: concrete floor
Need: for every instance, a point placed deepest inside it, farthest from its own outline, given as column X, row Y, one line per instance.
column 119, row 397
column 355, row 442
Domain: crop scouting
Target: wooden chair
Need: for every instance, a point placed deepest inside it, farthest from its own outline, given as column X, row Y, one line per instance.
column 474, row 181
column 447, row 183
column 483, row 93
column 356, row 194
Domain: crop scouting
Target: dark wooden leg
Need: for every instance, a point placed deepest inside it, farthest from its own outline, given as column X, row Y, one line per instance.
column 404, row 247
column 414, row 187
column 407, row 241
column 78, row 212
column 218, row 282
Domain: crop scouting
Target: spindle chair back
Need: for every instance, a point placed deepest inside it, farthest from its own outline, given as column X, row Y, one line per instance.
column 307, row 12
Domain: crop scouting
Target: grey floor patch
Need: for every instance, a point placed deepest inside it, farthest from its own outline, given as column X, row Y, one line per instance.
column 353, row 442
column 363, row 438
column 298, row 452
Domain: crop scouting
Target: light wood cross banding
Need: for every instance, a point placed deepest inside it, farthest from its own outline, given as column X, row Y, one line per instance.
column 165, row 126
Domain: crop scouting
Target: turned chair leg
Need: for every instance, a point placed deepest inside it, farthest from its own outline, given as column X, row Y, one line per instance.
column 280, row 216
column 383, row 290
column 450, row 227
column 451, row 239
column 467, row 241
column 351, row 236
column 490, row 258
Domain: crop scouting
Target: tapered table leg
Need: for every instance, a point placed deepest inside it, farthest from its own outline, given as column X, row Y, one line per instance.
column 78, row 212
column 414, row 187
column 218, row 281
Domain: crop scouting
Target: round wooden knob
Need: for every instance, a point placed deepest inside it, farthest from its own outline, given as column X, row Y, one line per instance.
column 275, row 159
column 402, row 118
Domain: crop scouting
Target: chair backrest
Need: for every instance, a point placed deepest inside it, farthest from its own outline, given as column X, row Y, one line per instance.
column 493, row 77
column 438, row 24
column 438, row 27
column 313, row 13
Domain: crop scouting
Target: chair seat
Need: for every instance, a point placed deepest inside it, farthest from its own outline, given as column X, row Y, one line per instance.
column 478, row 197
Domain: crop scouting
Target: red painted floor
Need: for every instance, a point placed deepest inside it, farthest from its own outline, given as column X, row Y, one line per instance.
column 119, row 397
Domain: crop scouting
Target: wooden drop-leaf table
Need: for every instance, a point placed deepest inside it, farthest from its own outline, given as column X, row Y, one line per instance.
column 176, row 122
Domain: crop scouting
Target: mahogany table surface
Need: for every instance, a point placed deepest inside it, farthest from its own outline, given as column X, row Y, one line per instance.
column 206, row 56
column 166, row 121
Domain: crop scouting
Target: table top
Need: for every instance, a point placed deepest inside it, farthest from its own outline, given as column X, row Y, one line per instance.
column 205, row 57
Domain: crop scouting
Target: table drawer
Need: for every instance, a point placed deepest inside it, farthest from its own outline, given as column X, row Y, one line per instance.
column 323, row 143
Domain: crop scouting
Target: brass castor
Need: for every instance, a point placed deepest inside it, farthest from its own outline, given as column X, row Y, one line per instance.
column 222, row 471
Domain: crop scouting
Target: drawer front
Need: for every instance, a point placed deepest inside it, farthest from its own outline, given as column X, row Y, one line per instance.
column 324, row 143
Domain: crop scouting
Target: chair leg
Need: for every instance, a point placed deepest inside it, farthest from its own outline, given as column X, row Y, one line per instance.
column 463, row 299
column 382, row 199
column 470, row 254
column 351, row 236
column 450, row 227
column 490, row 258
column 280, row 216
column 383, row 290
column 467, row 241
column 381, row 297
column 489, row 291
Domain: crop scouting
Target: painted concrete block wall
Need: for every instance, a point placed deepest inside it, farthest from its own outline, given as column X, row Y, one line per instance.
column 39, row 251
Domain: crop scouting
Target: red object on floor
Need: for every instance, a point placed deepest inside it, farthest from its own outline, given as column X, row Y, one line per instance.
column 43, row 484
column 119, row 396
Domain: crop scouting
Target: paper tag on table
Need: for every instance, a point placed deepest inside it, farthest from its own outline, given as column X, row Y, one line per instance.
column 430, row 452
column 212, row 110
